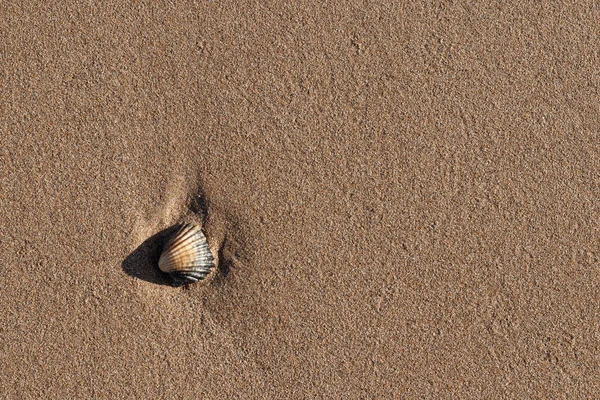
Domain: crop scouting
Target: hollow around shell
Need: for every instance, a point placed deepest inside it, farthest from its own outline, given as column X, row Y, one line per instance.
column 186, row 256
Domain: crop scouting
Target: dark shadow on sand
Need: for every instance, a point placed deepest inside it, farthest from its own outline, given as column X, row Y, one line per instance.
column 224, row 263
column 142, row 263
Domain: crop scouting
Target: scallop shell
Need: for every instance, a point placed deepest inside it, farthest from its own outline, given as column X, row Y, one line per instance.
column 186, row 256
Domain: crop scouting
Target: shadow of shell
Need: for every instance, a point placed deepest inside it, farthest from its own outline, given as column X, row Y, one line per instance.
column 142, row 263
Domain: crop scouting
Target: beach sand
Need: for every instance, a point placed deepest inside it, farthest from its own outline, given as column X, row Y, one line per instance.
column 404, row 199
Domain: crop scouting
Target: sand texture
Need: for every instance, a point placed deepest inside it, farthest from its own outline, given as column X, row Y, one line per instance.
column 404, row 199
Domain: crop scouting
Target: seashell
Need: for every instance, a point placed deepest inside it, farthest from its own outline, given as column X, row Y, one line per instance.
column 186, row 256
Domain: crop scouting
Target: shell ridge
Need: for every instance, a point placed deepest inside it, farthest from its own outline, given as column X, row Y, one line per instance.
column 186, row 255
column 182, row 256
column 180, row 244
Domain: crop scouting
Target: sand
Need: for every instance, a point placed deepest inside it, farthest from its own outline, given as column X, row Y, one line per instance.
column 404, row 199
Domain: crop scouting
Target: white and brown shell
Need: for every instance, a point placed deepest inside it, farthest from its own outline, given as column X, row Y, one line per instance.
column 186, row 255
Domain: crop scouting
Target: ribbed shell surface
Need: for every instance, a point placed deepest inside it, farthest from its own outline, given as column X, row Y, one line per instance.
column 186, row 256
